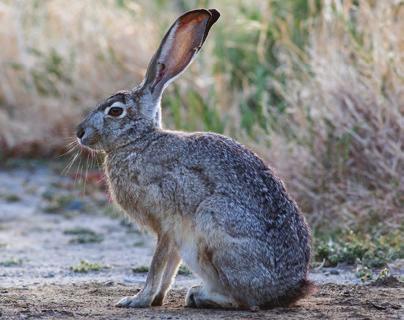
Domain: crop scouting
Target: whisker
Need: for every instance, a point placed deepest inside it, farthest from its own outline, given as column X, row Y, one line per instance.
column 76, row 177
column 71, row 146
column 69, row 150
column 86, row 174
column 69, row 138
column 69, row 165
column 72, row 141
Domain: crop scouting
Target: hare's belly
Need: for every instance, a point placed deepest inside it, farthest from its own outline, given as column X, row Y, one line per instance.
column 189, row 252
column 192, row 249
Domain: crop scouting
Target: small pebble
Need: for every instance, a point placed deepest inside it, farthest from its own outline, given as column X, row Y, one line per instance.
column 49, row 275
column 75, row 205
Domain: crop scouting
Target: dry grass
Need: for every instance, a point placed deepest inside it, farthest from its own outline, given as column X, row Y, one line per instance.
column 347, row 114
column 56, row 63
column 334, row 131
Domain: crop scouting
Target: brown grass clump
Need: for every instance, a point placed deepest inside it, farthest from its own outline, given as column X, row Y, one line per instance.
column 57, row 60
column 346, row 163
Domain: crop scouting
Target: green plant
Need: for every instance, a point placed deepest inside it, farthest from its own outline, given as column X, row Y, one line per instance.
column 85, row 267
column 183, row 270
column 370, row 250
column 383, row 274
column 83, row 235
column 57, row 203
column 364, row 273
column 12, row 198
column 11, row 262
column 87, row 238
column 140, row 269
column 139, row 244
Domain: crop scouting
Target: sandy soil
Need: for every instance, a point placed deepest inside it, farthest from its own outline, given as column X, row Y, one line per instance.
column 42, row 216
column 95, row 301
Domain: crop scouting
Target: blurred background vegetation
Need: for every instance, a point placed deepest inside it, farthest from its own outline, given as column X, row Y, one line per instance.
column 314, row 87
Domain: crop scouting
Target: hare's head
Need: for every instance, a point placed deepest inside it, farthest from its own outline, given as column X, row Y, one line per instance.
column 128, row 115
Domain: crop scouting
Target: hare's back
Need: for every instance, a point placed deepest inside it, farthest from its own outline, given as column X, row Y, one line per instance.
column 240, row 174
column 251, row 200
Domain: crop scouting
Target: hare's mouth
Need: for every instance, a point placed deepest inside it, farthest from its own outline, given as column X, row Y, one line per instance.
column 92, row 144
column 89, row 144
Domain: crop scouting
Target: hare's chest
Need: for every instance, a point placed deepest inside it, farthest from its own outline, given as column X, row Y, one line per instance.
column 142, row 190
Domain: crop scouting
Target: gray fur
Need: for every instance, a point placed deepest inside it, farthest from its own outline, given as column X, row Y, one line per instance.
column 210, row 201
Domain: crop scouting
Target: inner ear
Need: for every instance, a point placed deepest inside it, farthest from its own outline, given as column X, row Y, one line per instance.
column 178, row 48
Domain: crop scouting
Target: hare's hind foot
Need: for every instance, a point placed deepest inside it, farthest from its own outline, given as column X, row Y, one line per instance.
column 199, row 297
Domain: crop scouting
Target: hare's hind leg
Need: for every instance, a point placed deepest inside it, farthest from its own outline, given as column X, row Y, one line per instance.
column 201, row 297
column 225, row 258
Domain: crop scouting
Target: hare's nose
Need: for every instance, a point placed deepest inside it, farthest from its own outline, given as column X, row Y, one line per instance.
column 80, row 132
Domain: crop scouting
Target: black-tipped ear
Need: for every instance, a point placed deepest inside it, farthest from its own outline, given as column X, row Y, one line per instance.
column 178, row 47
column 214, row 16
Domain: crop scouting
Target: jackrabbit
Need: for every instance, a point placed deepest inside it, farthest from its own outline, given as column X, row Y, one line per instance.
column 209, row 200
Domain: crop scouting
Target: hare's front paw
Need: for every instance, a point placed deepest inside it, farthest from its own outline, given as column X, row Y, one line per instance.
column 138, row 301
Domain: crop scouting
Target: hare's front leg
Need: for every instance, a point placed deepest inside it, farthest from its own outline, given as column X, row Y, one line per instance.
column 146, row 296
column 168, row 276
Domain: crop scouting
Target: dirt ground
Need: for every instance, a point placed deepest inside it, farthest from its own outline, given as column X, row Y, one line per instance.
column 49, row 223
column 95, row 301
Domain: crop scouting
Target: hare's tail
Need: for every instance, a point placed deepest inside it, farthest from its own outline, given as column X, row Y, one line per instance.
column 303, row 289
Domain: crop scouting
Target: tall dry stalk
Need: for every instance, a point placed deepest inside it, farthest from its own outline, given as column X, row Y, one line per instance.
column 57, row 60
column 347, row 110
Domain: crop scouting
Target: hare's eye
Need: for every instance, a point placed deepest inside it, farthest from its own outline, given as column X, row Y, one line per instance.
column 115, row 111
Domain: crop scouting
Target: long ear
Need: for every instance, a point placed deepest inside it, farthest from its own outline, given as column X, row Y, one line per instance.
column 177, row 49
